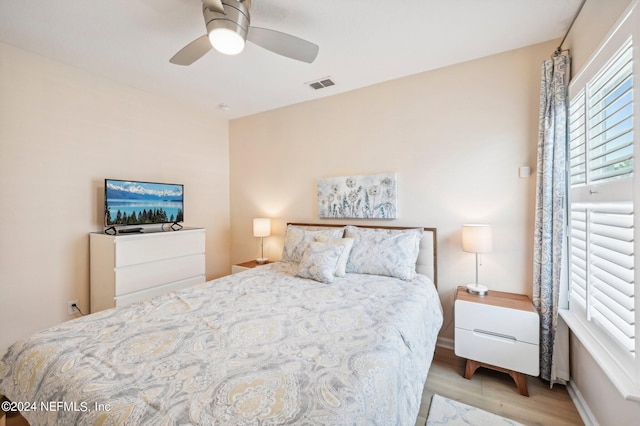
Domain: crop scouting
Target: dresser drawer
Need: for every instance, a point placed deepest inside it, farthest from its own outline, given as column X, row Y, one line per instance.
column 521, row 325
column 153, row 247
column 157, row 291
column 138, row 277
column 497, row 350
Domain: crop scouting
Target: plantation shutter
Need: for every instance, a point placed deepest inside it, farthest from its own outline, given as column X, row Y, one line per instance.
column 610, row 121
column 602, row 254
column 579, row 262
column 602, row 276
column 577, row 141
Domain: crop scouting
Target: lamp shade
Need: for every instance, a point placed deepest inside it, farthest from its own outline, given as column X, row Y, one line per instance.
column 476, row 238
column 261, row 227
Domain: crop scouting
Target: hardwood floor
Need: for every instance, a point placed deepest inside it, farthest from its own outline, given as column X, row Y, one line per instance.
column 497, row 393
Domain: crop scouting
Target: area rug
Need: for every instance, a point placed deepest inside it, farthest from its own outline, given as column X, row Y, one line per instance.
column 445, row 411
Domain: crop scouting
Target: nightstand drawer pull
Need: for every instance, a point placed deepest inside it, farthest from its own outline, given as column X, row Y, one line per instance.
column 496, row 335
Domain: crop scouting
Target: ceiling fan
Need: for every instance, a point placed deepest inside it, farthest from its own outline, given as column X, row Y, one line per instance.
column 228, row 27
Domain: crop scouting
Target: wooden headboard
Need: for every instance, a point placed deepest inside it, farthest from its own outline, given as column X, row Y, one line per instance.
column 427, row 263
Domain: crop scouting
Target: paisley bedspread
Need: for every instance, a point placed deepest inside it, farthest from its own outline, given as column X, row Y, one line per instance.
column 260, row 347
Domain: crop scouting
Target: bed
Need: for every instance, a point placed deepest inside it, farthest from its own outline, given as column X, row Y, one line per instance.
column 266, row 346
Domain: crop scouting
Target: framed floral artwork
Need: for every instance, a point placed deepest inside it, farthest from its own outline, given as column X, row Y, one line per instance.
column 358, row 197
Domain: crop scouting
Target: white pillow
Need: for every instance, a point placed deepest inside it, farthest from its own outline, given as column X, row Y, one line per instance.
column 341, row 267
column 388, row 252
column 319, row 261
column 297, row 239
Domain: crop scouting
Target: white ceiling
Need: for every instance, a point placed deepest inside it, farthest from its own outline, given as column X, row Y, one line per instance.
column 362, row 42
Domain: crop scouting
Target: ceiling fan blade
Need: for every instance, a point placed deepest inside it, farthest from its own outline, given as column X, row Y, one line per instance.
column 214, row 5
column 192, row 51
column 283, row 44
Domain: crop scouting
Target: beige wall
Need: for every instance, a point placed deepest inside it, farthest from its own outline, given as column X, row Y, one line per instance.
column 604, row 401
column 62, row 131
column 456, row 138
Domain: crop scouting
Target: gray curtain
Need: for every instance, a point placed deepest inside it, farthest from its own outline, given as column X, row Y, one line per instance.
column 550, row 204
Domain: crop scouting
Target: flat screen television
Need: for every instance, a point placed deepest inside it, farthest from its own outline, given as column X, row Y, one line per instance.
column 142, row 203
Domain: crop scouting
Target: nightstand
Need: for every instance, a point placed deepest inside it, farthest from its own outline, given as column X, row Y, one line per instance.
column 499, row 331
column 239, row 267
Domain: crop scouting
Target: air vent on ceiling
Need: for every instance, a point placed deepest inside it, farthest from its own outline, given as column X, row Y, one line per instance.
column 321, row 83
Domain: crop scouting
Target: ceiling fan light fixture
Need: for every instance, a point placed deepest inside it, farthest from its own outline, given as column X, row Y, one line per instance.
column 227, row 31
column 228, row 23
column 226, row 41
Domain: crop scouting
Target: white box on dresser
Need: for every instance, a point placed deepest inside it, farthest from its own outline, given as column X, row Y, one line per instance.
column 133, row 267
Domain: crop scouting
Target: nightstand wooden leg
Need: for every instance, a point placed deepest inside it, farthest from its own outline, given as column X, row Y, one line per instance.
column 520, row 379
column 470, row 368
column 521, row 382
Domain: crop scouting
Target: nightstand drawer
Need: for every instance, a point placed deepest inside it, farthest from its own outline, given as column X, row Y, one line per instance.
column 521, row 325
column 497, row 349
column 245, row 266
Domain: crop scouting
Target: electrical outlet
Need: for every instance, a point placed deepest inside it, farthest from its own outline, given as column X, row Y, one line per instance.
column 70, row 309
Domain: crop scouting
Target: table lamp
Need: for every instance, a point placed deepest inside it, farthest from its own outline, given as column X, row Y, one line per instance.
column 476, row 239
column 261, row 228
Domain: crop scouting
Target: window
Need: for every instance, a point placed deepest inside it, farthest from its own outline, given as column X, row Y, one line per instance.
column 602, row 247
column 601, row 144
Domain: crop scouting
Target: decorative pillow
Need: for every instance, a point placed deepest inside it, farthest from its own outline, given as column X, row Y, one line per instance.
column 341, row 267
column 319, row 261
column 297, row 239
column 388, row 252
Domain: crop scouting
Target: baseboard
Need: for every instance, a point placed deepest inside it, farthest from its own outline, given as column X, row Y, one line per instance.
column 445, row 342
column 581, row 405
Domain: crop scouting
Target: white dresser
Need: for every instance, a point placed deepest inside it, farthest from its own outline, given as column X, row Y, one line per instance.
column 498, row 331
column 134, row 267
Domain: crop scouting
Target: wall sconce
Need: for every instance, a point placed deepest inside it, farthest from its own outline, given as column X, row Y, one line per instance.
column 261, row 228
column 477, row 239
